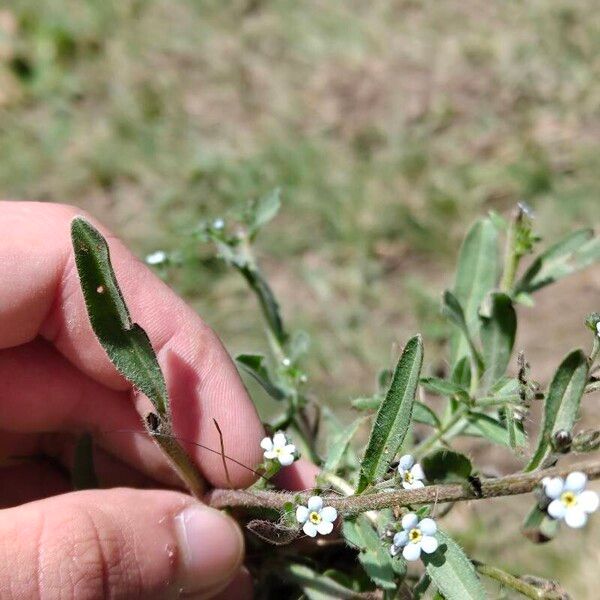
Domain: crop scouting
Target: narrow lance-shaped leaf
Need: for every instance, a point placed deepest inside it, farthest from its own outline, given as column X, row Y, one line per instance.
column 454, row 311
column 569, row 255
column 486, row 426
column 339, row 446
column 498, row 331
column 421, row 412
column 125, row 342
column 314, row 585
column 373, row 555
column 452, row 573
column 477, row 274
column 394, row 415
column 254, row 365
column 561, row 404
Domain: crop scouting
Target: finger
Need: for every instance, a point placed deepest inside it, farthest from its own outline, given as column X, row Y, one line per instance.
column 117, row 544
column 301, row 475
column 40, row 294
column 241, row 587
column 30, row 481
column 42, row 392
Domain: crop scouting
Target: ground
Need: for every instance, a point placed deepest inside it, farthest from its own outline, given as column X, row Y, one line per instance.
column 389, row 126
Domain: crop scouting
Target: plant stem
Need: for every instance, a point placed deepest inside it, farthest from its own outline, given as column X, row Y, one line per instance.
column 433, row 439
column 517, row 584
column 510, row 485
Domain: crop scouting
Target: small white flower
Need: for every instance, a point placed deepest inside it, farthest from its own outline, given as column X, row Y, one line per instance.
column 416, row 537
column 218, row 224
column 279, row 448
column 316, row 517
column 569, row 499
column 156, row 258
column 286, row 362
column 411, row 474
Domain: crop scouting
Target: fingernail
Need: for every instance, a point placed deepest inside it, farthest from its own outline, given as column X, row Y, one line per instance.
column 211, row 547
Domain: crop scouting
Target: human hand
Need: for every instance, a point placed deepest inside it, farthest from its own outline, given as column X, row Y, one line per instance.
column 56, row 381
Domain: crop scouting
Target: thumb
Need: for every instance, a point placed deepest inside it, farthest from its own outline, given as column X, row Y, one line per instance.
column 118, row 543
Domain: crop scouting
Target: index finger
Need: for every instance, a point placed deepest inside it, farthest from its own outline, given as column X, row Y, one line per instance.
column 40, row 295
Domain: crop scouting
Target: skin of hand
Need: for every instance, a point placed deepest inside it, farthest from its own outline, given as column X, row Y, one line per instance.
column 137, row 538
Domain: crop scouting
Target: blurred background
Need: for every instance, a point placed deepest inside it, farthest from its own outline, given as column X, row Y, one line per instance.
column 388, row 125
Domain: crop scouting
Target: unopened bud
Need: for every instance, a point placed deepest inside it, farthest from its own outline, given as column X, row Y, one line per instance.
column 561, row 441
column 587, row 441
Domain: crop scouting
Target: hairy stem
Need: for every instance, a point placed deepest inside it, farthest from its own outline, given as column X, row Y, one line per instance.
column 510, row 485
column 517, row 584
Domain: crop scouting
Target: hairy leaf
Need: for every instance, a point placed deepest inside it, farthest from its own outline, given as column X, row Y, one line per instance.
column 316, row 586
column 452, row 573
column 486, row 426
column 373, row 555
column 444, row 387
column 477, row 274
column 394, row 415
column 255, row 366
column 561, row 404
column 265, row 209
column 573, row 253
column 498, row 331
column 539, row 527
column 338, row 447
column 125, row 342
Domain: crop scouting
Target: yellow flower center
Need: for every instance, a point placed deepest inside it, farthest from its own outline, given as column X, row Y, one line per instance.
column 408, row 477
column 415, row 535
column 314, row 517
column 568, row 499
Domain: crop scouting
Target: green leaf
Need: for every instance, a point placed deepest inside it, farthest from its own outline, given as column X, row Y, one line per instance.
column 572, row 253
column 394, row 415
column 446, row 466
column 561, row 404
column 421, row 586
column 424, row 415
column 498, row 337
column 477, row 274
column 461, row 373
column 486, row 426
column 373, row 555
column 255, row 366
column 314, row 585
column 454, row 311
column 265, row 209
column 452, row 573
column 339, row 446
column 444, row 387
column 84, row 476
column 539, row 527
column 368, row 402
column 125, row 342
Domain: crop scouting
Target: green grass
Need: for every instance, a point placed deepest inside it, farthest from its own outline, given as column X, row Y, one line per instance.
column 388, row 125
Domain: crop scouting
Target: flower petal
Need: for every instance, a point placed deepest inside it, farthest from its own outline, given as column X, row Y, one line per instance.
column 429, row 544
column 270, row 454
column 417, row 472
column 309, row 529
column 401, row 539
column 553, row 487
column 575, row 482
column 557, row 509
column 285, row 460
column 279, row 440
column 406, row 462
column 428, row 526
column 406, row 485
column 315, row 503
column 325, row 527
column 588, row 501
column 575, row 517
column 409, row 521
column 266, row 443
column 301, row 514
column 329, row 514
column 412, row 551
column 417, row 485
column 394, row 550
column 289, row 449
